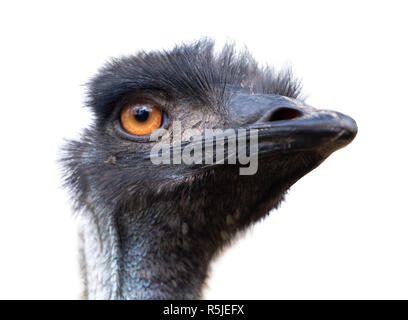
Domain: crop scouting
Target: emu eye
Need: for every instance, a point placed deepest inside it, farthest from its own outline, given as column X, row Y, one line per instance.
column 141, row 119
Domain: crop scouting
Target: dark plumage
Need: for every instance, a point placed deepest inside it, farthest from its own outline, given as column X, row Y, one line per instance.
column 150, row 231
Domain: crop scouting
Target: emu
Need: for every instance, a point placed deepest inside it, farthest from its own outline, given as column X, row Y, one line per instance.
column 150, row 231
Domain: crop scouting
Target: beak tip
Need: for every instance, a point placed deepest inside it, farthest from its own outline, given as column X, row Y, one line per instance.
column 350, row 127
column 346, row 128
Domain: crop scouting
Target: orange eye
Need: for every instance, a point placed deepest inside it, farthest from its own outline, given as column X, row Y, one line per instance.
column 141, row 119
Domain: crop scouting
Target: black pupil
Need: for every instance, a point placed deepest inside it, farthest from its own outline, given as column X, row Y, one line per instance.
column 142, row 114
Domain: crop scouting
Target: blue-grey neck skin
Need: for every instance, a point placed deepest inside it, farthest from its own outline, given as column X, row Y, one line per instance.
column 100, row 256
column 131, row 255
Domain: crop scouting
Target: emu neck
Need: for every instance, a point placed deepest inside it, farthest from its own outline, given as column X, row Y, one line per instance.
column 138, row 255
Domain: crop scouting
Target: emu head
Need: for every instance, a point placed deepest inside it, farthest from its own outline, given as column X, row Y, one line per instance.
column 150, row 229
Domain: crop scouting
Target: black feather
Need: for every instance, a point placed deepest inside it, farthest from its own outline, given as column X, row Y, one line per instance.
column 189, row 71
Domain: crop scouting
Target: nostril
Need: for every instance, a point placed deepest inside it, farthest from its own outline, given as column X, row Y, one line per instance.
column 285, row 114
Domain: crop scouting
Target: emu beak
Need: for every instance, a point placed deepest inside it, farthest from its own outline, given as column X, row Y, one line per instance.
column 319, row 130
column 286, row 125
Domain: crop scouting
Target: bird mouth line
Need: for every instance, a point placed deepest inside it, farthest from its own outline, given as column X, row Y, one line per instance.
column 244, row 145
column 247, row 143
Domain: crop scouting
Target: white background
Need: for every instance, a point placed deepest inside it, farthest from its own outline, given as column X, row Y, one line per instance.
column 342, row 231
